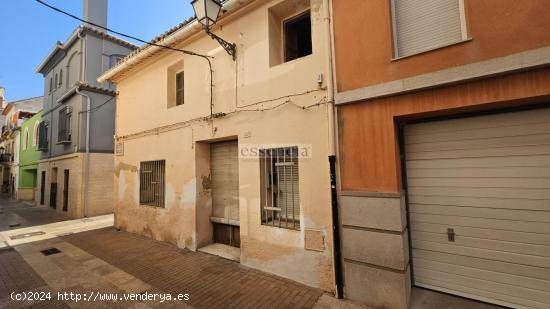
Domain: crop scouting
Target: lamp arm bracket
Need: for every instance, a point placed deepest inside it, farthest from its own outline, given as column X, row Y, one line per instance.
column 230, row 48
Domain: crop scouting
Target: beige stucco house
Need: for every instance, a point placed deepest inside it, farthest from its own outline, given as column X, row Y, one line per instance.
column 239, row 168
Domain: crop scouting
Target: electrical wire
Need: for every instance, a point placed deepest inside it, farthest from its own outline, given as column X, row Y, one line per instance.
column 147, row 43
column 97, row 107
column 119, row 33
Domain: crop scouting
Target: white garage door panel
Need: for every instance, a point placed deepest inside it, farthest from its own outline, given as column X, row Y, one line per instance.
column 481, row 153
column 522, row 193
column 506, row 120
column 507, row 225
column 472, row 272
column 516, row 161
column 528, row 238
column 483, row 295
column 489, row 213
column 480, row 202
column 473, row 133
column 516, row 258
column 529, row 183
column 520, row 270
column 488, row 178
column 487, row 285
column 480, row 143
column 491, row 244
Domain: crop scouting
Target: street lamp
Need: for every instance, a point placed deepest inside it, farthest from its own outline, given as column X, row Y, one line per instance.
column 207, row 12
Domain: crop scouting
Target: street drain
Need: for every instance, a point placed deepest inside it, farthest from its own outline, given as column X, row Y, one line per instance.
column 27, row 235
column 14, row 225
column 50, row 251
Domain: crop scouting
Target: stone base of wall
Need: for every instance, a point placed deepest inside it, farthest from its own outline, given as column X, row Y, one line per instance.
column 25, row 194
column 100, row 184
column 375, row 249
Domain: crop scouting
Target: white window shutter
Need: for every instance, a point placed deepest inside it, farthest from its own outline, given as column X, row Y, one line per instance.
column 421, row 25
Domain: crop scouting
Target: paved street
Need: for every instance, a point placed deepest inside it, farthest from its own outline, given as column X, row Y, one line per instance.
column 102, row 262
column 15, row 215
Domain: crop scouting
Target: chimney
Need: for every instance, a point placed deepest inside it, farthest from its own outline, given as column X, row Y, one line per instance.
column 95, row 11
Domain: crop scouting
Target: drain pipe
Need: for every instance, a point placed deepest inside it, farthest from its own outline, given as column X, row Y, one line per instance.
column 337, row 253
column 87, row 160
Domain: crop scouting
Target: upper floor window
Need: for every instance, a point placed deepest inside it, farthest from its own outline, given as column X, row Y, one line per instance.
column 297, row 36
column 289, row 25
column 55, row 85
column 51, row 84
column 60, row 78
column 43, row 135
column 26, row 139
column 419, row 26
column 64, row 126
column 175, row 84
column 179, row 88
column 36, row 132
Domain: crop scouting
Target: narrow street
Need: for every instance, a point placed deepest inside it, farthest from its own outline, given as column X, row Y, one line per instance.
column 104, row 263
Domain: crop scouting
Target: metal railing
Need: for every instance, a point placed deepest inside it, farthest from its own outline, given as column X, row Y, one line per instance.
column 151, row 183
column 6, row 158
column 280, row 198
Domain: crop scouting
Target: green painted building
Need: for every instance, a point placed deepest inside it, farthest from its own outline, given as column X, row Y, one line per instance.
column 28, row 158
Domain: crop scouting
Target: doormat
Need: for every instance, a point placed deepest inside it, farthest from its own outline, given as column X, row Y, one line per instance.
column 50, row 251
column 31, row 234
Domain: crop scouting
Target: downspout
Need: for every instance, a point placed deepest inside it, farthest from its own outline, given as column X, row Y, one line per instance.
column 337, row 253
column 87, row 155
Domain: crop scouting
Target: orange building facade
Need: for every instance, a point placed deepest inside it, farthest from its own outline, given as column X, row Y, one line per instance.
column 408, row 179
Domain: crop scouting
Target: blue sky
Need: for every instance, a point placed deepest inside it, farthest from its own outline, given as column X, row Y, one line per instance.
column 28, row 31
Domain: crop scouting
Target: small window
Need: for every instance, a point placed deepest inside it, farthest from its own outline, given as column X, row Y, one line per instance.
column 179, row 88
column 55, row 85
column 419, row 26
column 43, row 136
column 151, row 183
column 51, row 84
column 280, row 195
column 64, row 127
column 297, row 36
column 60, row 78
column 36, row 132
column 26, row 139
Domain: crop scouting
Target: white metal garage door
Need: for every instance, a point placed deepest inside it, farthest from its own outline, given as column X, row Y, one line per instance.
column 487, row 180
column 225, row 181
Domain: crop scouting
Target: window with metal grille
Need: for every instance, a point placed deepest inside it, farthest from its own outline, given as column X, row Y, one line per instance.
column 297, row 36
column 179, row 88
column 419, row 26
column 64, row 127
column 43, row 135
column 280, row 197
column 151, row 183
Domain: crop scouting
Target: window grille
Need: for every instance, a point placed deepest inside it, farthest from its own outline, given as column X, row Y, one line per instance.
column 179, row 88
column 280, row 198
column 64, row 127
column 43, row 135
column 151, row 183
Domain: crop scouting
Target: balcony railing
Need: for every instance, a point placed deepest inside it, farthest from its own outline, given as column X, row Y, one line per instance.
column 6, row 158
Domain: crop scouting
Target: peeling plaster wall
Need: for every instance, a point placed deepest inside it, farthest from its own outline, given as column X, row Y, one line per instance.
column 142, row 105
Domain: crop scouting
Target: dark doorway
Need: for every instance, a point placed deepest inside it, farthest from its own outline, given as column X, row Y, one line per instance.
column 42, row 187
column 53, row 188
column 227, row 234
column 65, row 190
